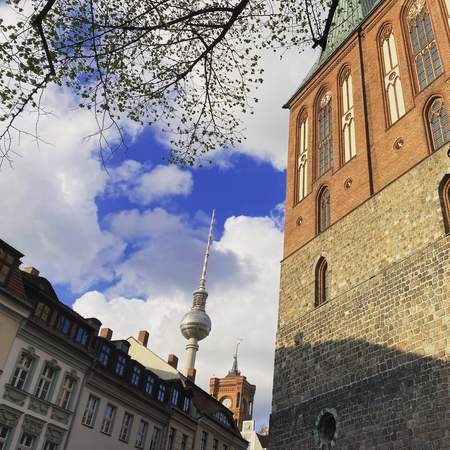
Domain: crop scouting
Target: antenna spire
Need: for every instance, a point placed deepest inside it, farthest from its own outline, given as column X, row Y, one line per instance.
column 208, row 246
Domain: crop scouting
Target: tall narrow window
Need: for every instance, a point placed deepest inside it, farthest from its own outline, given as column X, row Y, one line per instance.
column 348, row 117
column 149, row 383
column 444, row 193
column 171, row 439
column 204, row 440
column 438, row 124
column 392, row 81
column 4, row 436
column 22, row 371
column 302, row 159
column 104, row 355
column 45, row 382
column 108, row 419
column 161, row 392
column 26, row 442
column 325, row 134
column 141, row 434
column 67, row 388
column 322, row 282
column 90, row 411
column 423, row 44
column 324, row 212
column 184, row 440
column 154, row 444
column 125, row 431
column 135, row 376
column 175, row 396
column 50, row 445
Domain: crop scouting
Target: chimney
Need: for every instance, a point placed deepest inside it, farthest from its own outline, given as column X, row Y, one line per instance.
column 106, row 333
column 143, row 337
column 173, row 361
column 32, row 271
column 191, row 374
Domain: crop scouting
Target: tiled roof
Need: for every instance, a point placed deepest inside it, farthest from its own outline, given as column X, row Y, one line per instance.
column 347, row 17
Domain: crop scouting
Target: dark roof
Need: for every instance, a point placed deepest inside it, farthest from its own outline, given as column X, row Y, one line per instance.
column 349, row 15
column 263, row 439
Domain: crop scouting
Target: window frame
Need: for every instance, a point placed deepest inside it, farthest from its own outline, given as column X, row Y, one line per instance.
column 301, row 157
column 92, row 411
column 321, row 282
column 141, row 435
column 21, row 445
column 4, row 440
column 411, row 12
column 323, row 216
column 155, row 442
column 108, row 420
column 67, row 403
column 29, row 353
column 429, row 126
column 161, row 394
column 126, row 427
column 46, row 385
column 204, row 440
column 444, row 196
column 324, row 102
column 347, row 115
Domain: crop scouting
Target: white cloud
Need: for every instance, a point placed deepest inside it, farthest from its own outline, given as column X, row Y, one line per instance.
column 266, row 131
column 243, row 296
column 143, row 185
column 48, row 197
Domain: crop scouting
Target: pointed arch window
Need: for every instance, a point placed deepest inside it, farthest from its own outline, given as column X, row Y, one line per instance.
column 427, row 61
column 321, row 282
column 348, row 117
column 302, row 160
column 325, row 134
column 444, row 194
column 324, row 213
column 438, row 124
column 392, row 81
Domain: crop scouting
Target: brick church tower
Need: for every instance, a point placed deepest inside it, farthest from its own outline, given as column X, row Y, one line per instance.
column 363, row 343
column 235, row 392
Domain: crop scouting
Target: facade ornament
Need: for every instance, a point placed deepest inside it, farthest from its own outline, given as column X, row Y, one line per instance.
column 9, row 416
column 416, row 9
column 325, row 99
column 54, row 434
column 32, row 425
column 348, row 183
column 299, row 221
column 399, row 144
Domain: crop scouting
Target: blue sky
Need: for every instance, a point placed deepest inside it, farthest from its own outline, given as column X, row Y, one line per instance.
column 127, row 246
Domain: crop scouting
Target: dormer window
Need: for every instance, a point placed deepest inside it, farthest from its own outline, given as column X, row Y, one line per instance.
column 42, row 311
column 161, row 392
column 135, row 376
column 7, row 261
column 120, row 365
column 104, row 355
column 186, row 404
column 149, row 383
column 63, row 324
column 174, row 398
column 82, row 336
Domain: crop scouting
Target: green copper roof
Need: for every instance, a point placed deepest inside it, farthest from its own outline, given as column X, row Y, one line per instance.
column 347, row 17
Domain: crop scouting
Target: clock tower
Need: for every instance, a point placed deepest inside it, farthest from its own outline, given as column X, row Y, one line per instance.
column 234, row 392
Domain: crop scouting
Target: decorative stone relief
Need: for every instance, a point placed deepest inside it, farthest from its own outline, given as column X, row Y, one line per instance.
column 32, row 425
column 15, row 395
column 39, row 406
column 348, row 183
column 416, row 9
column 54, row 434
column 9, row 416
column 299, row 221
column 60, row 414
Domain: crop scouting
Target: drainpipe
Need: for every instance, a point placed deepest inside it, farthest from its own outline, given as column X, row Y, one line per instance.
column 366, row 112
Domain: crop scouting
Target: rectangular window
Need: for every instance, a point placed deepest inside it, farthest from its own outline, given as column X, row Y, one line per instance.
column 4, row 435
column 50, row 446
column 215, row 444
column 154, row 444
column 162, row 392
column 90, row 411
column 125, row 431
column 120, row 365
column 204, row 440
column 175, row 395
column 135, row 376
column 186, row 404
column 105, row 353
column 66, row 392
column 82, row 337
column 108, row 419
column 26, row 441
column 22, row 371
column 63, row 324
column 141, row 434
column 171, row 439
column 45, row 382
column 184, row 440
column 149, row 385
column 6, row 262
column 42, row 311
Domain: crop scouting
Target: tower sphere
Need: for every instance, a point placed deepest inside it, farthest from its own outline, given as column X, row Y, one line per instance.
column 195, row 324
